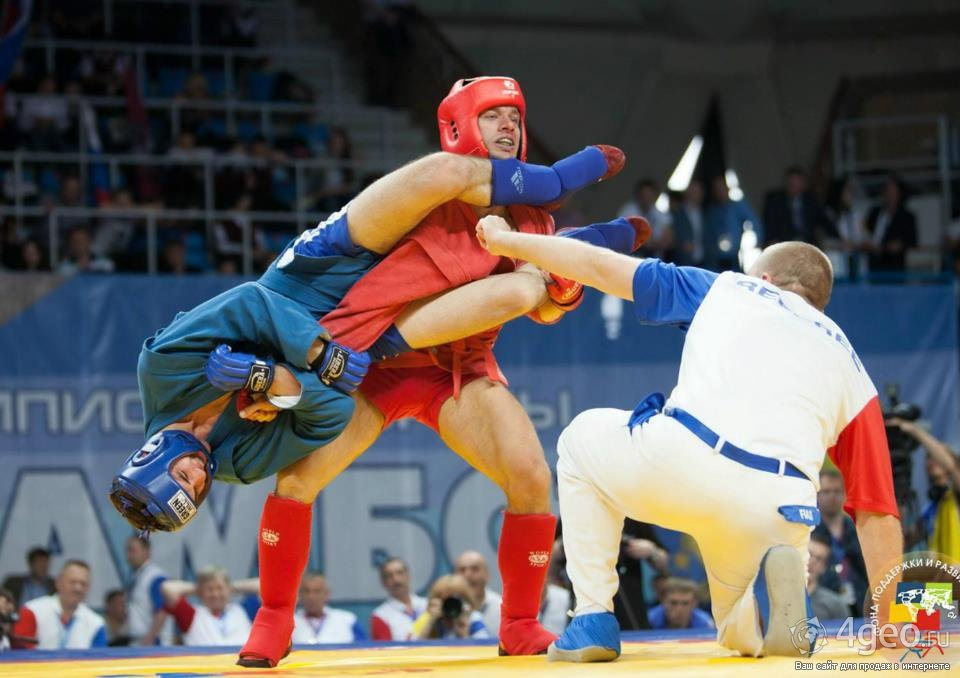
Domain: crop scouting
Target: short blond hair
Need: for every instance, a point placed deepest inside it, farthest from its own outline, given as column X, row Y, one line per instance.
column 797, row 267
column 211, row 572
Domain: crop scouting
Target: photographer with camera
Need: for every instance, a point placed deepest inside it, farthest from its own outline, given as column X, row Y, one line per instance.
column 451, row 612
column 941, row 516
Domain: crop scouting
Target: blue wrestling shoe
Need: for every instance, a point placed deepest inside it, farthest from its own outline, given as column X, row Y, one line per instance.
column 624, row 235
column 588, row 638
column 787, row 623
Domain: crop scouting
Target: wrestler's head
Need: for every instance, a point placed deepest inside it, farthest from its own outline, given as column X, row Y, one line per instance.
column 797, row 267
column 484, row 117
column 161, row 485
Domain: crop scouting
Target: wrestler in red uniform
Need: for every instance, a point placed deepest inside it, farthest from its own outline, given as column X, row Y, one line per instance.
column 457, row 388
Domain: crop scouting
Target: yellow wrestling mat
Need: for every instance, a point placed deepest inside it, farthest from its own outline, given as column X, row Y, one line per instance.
column 652, row 658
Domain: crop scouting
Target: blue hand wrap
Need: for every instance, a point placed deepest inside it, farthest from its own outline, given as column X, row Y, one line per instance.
column 520, row 183
column 391, row 343
column 617, row 235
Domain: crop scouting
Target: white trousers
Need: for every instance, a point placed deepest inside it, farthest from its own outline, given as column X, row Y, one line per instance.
column 661, row 473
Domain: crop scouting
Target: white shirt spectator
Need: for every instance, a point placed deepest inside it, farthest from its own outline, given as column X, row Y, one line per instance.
column 144, row 600
column 42, row 619
column 553, row 614
column 335, row 626
column 491, row 612
column 200, row 626
column 392, row 620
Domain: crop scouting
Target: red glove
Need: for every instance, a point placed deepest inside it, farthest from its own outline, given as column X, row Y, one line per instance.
column 565, row 293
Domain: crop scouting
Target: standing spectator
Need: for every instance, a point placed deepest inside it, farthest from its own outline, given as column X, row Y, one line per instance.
column 679, row 608
column 71, row 196
column 688, row 229
column 726, row 220
column 10, row 244
column 315, row 623
column 115, row 618
column 216, row 620
column 393, row 618
column 848, row 228
column 793, row 212
column 174, row 258
column 451, row 612
column 36, row 583
column 472, row 566
column 80, row 257
column 145, row 596
column 62, row 621
column 183, row 183
column 826, row 604
column 644, row 204
column 638, row 545
column 32, row 259
column 892, row 229
column 228, row 238
column 116, row 234
column 849, row 573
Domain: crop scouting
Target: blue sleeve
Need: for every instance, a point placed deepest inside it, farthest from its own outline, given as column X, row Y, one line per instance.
column 100, row 638
column 664, row 294
column 358, row 632
column 478, row 630
column 156, row 594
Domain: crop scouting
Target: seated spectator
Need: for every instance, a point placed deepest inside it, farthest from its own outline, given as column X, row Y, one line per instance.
column 316, row 623
column 216, row 620
column 687, row 225
column 10, row 243
column 228, row 238
column 183, row 183
column 793, row 212
column 32, row 259
column 640, row 550
column 393, row 618
column 44, row 118
column 555, row 603
column 892, row 229
column 336, row 188
column 848, row 573
column 145, row 603
column 115, row 618
column 679, row 608
column 62, row 621
column 826, row 604
column 260, row 183
column 36, row 582
column 451, row 612
column 644, row 204
column 80, row 258
column 71, row 196
column 725, row 222
column 174, row 259
column 8, row 612
column 115, row 234
column 472, row 566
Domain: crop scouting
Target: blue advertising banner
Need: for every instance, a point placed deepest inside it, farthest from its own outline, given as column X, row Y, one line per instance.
column 70, row 413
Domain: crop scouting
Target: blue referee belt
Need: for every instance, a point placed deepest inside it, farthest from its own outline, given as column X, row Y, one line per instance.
column 730, row 451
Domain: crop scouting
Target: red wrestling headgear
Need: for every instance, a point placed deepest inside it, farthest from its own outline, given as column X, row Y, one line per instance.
column 458, row 112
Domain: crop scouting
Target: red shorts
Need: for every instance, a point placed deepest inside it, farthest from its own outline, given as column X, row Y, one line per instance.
column 417, row 392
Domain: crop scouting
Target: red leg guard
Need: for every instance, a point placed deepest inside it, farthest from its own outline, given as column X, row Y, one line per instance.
column 526, row 543
column 283, row 550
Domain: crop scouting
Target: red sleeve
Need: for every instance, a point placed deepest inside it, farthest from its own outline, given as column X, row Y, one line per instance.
column 183, row 612
column 379, row 630
column 24, row 631
column 863, row 457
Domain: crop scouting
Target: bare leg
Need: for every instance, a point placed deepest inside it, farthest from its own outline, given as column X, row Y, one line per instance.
column 488, row 427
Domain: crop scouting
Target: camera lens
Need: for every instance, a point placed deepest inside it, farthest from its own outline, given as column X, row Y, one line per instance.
column 452, row 608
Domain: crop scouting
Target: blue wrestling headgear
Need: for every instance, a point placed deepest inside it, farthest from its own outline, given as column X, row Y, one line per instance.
column 145, row 492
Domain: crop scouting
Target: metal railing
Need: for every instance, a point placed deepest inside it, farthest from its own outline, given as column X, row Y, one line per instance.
column 289, row 56
column 152, row 220
column 193, row 6
column 210, row 164
column 917, row 146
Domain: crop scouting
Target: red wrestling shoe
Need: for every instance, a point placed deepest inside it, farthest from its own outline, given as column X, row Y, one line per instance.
column 642, row 231
column 262, row 649
column 615, row 160
column 523, row 637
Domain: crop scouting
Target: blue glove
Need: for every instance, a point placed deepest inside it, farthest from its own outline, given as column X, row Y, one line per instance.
column 340, row 367
column 229, row 371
